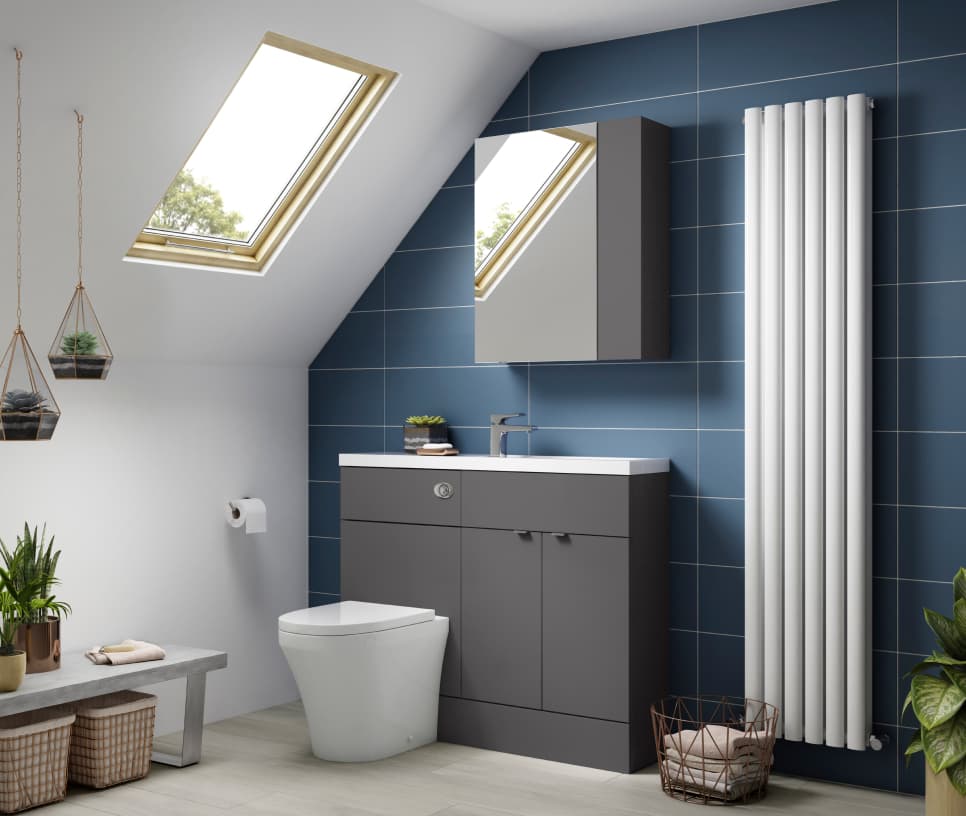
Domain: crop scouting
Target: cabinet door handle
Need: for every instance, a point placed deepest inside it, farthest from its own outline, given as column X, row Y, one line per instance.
column 522, row 532
column 560, row 535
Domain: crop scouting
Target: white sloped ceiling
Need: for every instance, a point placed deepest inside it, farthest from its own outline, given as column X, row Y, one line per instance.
column 148, row 78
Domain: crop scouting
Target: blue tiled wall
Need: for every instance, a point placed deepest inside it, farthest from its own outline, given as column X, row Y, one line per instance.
column 407, row 347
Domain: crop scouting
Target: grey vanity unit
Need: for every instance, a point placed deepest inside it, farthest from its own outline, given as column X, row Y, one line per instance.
column 555, row 584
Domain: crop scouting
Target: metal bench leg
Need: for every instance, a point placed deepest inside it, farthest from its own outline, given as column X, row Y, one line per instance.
column 194, row 721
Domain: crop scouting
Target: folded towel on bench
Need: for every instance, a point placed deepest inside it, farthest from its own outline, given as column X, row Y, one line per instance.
column 140, row 652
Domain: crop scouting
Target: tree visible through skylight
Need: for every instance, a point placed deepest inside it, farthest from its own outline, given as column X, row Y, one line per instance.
column 267, row 130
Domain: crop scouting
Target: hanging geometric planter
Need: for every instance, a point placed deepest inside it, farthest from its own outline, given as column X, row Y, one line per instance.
column 28, row 411
column 80, row 350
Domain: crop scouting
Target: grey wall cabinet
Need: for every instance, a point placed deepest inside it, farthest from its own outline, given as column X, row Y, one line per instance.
column 556, row 590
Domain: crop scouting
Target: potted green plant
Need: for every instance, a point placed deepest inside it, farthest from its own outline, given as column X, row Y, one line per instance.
column 26, row 415
column 31, row 573
column 80, row 360
column 419, row 430
column 937, row 695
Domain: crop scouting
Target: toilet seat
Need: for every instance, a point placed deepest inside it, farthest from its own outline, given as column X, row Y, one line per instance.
column 351, row 618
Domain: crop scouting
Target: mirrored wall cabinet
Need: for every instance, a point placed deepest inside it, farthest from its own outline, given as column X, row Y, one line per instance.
column 572, row 243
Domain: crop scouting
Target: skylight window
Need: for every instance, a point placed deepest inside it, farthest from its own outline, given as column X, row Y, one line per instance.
column 290, row 117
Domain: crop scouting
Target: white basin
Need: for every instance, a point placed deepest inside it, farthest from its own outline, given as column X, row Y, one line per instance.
column 602, row 465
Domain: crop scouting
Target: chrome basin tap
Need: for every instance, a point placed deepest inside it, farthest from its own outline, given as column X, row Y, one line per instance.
column 499, row 431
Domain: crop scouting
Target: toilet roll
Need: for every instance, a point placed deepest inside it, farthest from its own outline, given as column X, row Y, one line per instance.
column 248, row 512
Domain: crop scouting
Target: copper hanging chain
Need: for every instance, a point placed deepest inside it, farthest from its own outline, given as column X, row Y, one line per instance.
column 19, row 54
column 80, row 200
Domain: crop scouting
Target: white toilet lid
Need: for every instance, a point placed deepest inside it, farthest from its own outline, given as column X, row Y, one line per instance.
column 351, row 618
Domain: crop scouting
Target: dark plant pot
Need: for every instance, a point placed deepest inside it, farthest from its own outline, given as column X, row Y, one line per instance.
column 415, row 436
column 17, row 427
column 80, row 366
column 41, row 642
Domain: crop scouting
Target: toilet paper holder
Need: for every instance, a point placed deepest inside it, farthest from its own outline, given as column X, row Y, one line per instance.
column 248, row 512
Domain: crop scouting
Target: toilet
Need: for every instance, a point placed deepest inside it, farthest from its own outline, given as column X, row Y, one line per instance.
column 368, row 675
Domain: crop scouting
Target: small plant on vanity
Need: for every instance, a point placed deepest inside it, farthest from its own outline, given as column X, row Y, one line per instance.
column 938, row 699
column 421, row 429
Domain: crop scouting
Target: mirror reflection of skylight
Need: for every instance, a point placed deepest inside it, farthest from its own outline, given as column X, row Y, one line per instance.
column 522, row 168
column 267, row 130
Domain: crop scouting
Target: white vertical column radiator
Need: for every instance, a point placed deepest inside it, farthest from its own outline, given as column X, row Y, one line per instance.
column 808, row 416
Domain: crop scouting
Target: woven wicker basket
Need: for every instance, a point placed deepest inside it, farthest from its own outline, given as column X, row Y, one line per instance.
column 112, row 738
column 33, row 758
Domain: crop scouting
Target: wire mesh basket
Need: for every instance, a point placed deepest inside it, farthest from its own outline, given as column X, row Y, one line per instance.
column 33, row 758
column 714, row 750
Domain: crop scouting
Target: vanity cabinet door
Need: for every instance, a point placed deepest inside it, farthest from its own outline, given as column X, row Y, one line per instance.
column 586, row 626
column 407, row 565
column 501, row 617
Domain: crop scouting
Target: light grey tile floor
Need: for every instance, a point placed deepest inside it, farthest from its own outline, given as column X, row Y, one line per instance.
column 260, row 765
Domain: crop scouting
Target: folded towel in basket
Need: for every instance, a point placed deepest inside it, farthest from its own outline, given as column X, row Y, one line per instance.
column 140, row 652
column 739, row 780
column 712, row 741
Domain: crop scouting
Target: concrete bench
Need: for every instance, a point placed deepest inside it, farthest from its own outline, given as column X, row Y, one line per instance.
column 78, row 678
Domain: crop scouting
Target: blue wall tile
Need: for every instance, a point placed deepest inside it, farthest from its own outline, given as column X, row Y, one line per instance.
column 931, row 543
column 684, row 599
column 723, row 464
column 452, row 330
column 721, row 532
column 721, row 259
column 932, row 170
column 326, row 443
column 830, row 49
column 345, row 397
column 465, row 396
column 722, row 327
column 932, row 245
column 634, row 68
column 324, row 565
column 933, row 395
column 432, row 277
column 447, row 221
column 722, row 395
column 933, row 95
column 321, row 599
column 932, row 320
column 930, row 28
column 721, row 606
column 914, row 634
column 621, row 395
column 828, row 37
column 358, row 343
column 722, row 667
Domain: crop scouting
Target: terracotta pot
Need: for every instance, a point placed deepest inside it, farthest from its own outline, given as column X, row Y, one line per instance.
column 41, row 642
column 12, row 669
column 942, row 799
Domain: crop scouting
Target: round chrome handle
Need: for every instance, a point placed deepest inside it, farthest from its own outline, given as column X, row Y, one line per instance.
column 443, row 490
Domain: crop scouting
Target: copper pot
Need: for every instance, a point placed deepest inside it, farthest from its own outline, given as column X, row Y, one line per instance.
column 41, row 642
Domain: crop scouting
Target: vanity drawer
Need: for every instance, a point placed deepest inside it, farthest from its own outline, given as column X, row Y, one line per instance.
column 408, row 496
column 549, row 502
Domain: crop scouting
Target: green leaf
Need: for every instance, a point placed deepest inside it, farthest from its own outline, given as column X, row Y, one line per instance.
column 947, row 633
column 959, row 616
column 957, row 775
column 945, row 745
column 916, row 745
column 936, row 659
column 935, row 699
column 959, row 585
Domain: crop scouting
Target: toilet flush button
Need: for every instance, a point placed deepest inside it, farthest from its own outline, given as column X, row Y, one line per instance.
column 443, row 490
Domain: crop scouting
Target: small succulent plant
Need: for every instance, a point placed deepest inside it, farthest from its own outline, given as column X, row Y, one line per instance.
column 425, row 420
column 18, row 401
column 79, row 343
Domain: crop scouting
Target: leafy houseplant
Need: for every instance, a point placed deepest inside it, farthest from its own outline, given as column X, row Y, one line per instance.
column 937, row 695
column 29, row 574
column 81, row 358
column 422, row 429
column 26, row 415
